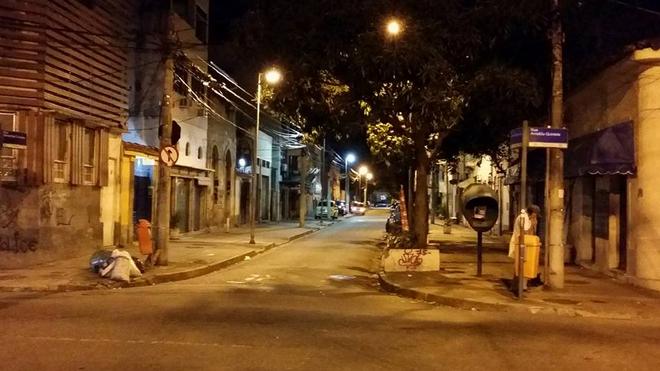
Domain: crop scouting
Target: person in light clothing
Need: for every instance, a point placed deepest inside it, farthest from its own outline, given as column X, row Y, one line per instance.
column 530, row 221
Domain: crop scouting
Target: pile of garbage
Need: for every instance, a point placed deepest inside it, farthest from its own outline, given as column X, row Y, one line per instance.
column 116, row 265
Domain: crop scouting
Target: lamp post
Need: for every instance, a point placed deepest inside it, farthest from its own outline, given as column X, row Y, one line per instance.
column 362, row 171
column 368, row 177
column 272, row 76
column 350, row 158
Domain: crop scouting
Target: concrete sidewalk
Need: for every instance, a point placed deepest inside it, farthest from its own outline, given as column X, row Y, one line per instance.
column 189, row 256
column 586, row 293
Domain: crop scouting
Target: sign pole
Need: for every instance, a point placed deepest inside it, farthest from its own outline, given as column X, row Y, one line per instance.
column 479, row 252
column 523, row 203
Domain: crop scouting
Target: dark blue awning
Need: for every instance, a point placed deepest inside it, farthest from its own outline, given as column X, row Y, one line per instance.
column 610, row 151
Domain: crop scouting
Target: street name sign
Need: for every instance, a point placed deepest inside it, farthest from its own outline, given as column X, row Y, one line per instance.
column 13, row 139
column 169, row 155
column 540, row 137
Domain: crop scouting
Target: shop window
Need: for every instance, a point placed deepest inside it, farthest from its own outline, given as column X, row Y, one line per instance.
column 8, row 156
column 61, row 159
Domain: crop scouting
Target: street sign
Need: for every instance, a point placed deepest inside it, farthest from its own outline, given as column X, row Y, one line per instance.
column 540, row 137
column 13, row 139
column 169, row 155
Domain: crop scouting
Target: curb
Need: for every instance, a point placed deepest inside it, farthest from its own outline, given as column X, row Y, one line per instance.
column 163, row 277
column 474, row 305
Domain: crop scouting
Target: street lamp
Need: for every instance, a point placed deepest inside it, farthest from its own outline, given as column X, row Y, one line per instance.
column 350, row 158
column 393, row 27
column 362, row 171
column 272, row 76
column 369, row 176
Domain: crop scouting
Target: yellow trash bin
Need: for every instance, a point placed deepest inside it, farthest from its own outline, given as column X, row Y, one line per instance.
column 532, row 251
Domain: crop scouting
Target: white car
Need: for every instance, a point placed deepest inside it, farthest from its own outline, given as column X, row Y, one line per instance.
column 326, row 209
column 358, row 208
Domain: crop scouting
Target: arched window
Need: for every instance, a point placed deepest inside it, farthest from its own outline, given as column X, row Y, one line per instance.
column 187, row 149
column 200, row 152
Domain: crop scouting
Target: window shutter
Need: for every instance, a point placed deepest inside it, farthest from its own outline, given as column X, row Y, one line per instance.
column 77, row 140
column 48, row 147
column 102, row 164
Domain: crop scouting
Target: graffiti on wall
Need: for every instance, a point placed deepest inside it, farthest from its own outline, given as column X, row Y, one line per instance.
column 412, row 258
column 12, row 239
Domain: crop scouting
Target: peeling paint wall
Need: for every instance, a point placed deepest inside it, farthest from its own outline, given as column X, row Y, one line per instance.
column 50, row 222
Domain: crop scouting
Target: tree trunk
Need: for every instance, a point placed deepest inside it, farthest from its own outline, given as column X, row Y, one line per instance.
column 421, row 207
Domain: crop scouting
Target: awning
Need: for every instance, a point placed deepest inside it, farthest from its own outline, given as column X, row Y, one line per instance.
column 610, row 151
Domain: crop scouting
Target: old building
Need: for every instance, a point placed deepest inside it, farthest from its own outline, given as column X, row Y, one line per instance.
column 191, row 177
column 63, row 85
column 612, row 180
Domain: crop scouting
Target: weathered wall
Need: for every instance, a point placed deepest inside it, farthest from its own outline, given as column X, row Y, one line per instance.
column 627, row 91
column 47, row 223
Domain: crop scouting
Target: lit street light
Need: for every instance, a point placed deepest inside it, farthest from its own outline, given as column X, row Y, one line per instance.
column 394, row 27
column 350, row 158
column 369, row 177
column 362, row 171
column 272, row 76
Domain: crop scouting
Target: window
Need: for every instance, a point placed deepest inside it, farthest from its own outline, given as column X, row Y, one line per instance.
column 61, row 158
column 200, row 153
column 187, row 149
column 89, row 156
column 200, row 24
column 8, row 156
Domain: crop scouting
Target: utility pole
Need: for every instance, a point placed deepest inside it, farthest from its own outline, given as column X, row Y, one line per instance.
column 556, row 159
column 164, row 180
column 324, row 184
column 302, row 207
column 434, row 191
column 256, row 170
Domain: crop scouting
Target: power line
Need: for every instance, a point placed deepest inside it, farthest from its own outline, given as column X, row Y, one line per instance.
column 637, row 7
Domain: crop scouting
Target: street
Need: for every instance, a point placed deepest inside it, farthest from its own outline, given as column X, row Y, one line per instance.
column 310, row 304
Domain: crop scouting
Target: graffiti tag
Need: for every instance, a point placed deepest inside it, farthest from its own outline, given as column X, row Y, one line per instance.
column 17, row 244
column 412, row 258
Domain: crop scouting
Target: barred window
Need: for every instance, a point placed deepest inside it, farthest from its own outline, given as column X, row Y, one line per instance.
column 8, row 156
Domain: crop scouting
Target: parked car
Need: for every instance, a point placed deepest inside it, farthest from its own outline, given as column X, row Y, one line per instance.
column 382, row 204
column 358, row 208
column 326, row 209
column 341, row 206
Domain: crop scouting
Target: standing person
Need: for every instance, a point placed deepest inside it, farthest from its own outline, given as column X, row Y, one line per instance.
column 530, row 222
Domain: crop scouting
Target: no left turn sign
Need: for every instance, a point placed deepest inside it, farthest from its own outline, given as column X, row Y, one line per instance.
column 169, row 155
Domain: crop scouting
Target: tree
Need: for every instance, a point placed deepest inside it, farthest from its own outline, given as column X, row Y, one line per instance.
column 409, row 93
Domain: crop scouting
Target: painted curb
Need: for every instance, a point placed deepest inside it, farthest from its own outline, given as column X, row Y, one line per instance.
column 474, row 305
column 163, row 277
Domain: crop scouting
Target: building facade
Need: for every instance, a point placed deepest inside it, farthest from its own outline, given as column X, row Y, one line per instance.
column 63, row 85
column 612, row 216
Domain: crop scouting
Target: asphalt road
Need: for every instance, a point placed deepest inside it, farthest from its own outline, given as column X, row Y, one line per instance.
column 309, row 305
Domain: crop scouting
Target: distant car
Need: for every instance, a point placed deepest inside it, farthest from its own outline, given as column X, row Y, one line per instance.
column 341, row 206
column 326, row 209
column 357, row 208
column 382, row 204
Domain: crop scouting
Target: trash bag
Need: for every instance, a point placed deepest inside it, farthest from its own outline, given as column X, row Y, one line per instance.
column 122, row 267
column 139, row 264
column 99, row 260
